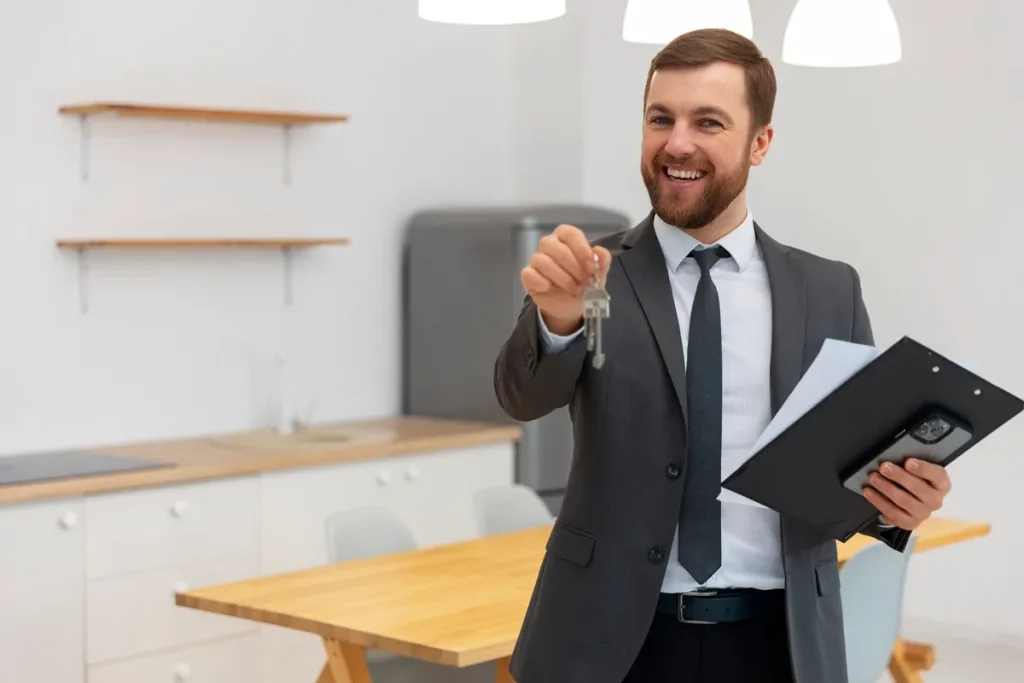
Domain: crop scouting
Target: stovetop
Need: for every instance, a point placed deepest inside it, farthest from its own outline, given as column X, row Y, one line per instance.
column 35, row 467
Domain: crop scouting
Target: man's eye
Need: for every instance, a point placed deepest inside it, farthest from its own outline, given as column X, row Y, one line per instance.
column 710, row 122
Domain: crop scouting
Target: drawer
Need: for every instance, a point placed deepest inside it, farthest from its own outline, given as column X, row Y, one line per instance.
column 171, row 525
column 134, row 614
column 235, row 660
column 295, row 505
column 437, row 499
column 432, row 493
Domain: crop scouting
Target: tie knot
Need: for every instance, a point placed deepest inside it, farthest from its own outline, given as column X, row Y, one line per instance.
column 706, row 258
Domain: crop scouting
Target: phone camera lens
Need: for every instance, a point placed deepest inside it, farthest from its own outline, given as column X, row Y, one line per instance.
column 932, row 430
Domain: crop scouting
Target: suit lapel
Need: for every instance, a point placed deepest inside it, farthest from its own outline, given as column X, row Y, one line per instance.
column 789, row 317
column 789, row 324
column 644, row 265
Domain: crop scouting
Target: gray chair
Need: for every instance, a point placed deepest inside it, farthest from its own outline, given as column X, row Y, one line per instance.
column 509, row 508
column 871, row 586
column 365, row 532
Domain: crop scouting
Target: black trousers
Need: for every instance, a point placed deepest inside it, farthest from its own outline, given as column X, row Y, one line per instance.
column 751, row 651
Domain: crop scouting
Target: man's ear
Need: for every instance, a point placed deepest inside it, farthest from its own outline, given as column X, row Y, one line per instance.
column 760, row 143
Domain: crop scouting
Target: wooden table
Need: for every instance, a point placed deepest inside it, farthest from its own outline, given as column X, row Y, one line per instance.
column 459, row 604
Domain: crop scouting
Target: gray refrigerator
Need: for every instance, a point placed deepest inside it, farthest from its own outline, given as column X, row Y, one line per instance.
column 461, row 298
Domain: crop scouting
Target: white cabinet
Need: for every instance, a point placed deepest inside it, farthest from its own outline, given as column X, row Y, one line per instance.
column 87, row 584
column 231, row 660
column 166, row 526
column 42, row 591
column 135, row 614
column 432, row 493
column 145, row 545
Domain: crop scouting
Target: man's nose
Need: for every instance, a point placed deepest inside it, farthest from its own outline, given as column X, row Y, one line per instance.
column 682, row 142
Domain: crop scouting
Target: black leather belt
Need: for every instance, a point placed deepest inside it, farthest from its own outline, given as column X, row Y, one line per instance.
column 722, row 606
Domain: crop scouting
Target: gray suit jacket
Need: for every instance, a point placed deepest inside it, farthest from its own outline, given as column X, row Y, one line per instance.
column 601, row 575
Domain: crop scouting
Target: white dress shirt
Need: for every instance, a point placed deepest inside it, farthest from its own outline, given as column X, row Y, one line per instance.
column 751, row 541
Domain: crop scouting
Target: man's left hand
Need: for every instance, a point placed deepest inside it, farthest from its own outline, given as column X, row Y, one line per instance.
column 908, row 495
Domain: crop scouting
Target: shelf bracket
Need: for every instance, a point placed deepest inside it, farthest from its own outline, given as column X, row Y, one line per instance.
column 286, row 140
column 83, row 279
column 286, row 262
column 85, row 145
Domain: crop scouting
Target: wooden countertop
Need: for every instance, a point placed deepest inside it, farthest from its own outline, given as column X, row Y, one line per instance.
column 457, row 604
column 224, row 455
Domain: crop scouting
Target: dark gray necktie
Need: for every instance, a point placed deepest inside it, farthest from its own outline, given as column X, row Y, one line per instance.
column 700, row 518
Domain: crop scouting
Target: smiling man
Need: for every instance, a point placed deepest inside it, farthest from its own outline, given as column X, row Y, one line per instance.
column 647, row 577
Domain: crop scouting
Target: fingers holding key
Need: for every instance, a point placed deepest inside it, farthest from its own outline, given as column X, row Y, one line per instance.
column 575, row 241
column 563, row 256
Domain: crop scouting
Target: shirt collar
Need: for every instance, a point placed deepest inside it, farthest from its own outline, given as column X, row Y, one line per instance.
column 677, row 245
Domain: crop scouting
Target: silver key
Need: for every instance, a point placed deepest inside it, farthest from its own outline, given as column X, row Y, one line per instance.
column 596, row 307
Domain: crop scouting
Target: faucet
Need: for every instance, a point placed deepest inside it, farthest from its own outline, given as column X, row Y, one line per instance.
column 286, row 419
column 288, row 422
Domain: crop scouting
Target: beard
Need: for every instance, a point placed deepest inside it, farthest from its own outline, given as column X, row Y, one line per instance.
column 677, row 207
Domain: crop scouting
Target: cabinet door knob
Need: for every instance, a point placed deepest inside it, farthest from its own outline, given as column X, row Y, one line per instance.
column 384, row 478
column 179, row 508
column 182, row 672
column 69, row 520
column 412, row 473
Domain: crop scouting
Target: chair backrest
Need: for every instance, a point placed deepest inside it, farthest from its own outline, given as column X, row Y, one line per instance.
column 872, row 583
column 366, row 532
column 509, row 508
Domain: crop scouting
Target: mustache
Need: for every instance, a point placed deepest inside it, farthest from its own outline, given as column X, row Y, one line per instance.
column 691, row 161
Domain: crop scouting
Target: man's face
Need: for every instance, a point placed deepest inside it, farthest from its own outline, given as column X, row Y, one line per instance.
column 697, row 143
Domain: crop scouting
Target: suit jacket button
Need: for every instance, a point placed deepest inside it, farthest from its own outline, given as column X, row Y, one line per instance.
column 672, row 471
column 656, row 554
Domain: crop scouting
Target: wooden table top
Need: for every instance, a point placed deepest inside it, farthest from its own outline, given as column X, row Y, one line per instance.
column 458, row 604
column 262, row 450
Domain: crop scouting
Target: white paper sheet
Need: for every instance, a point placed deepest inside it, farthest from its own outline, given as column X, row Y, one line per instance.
column 836, row 362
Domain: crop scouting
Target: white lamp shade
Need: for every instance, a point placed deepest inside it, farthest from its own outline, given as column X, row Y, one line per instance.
column 490, row 12
column 661, row 21
column 842, row 33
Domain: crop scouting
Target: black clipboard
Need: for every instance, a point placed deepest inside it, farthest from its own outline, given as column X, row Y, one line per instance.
column 801, row 471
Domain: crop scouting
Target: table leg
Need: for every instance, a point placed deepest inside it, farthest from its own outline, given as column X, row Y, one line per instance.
column 921, row 656
column 346, row 663
column 901, row 667
column 503, row 675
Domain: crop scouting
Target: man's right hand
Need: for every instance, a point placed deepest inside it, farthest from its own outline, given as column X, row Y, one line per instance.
column 559, row 273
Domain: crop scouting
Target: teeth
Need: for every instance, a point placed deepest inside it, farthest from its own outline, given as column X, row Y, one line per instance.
column 685, row 175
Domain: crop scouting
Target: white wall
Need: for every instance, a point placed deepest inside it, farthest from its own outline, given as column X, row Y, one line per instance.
column 182, row 342
column 911, row 173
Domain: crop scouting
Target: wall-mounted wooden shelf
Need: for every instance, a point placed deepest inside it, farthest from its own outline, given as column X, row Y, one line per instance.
column 286, row 119
column 199, row 242
column 285, row 244
column 156, row 111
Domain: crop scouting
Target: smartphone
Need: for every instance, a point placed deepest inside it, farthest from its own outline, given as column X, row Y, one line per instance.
column 935, row 436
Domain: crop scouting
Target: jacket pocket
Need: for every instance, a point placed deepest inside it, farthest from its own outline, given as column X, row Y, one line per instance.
column 571, row 544
column 826, row 575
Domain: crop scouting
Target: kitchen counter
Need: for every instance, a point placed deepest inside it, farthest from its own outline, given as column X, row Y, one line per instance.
column 224, row 455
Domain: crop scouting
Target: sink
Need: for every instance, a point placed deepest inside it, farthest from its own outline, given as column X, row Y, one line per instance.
column 304, row 438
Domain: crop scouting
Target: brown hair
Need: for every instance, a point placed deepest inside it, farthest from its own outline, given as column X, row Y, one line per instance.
column 706, row 46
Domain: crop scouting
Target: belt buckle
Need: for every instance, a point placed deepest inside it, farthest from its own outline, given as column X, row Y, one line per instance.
column 682, row 597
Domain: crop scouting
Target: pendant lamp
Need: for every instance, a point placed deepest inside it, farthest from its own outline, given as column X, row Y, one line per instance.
column 660, row 21
column 490, row 12
column 842, row 33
